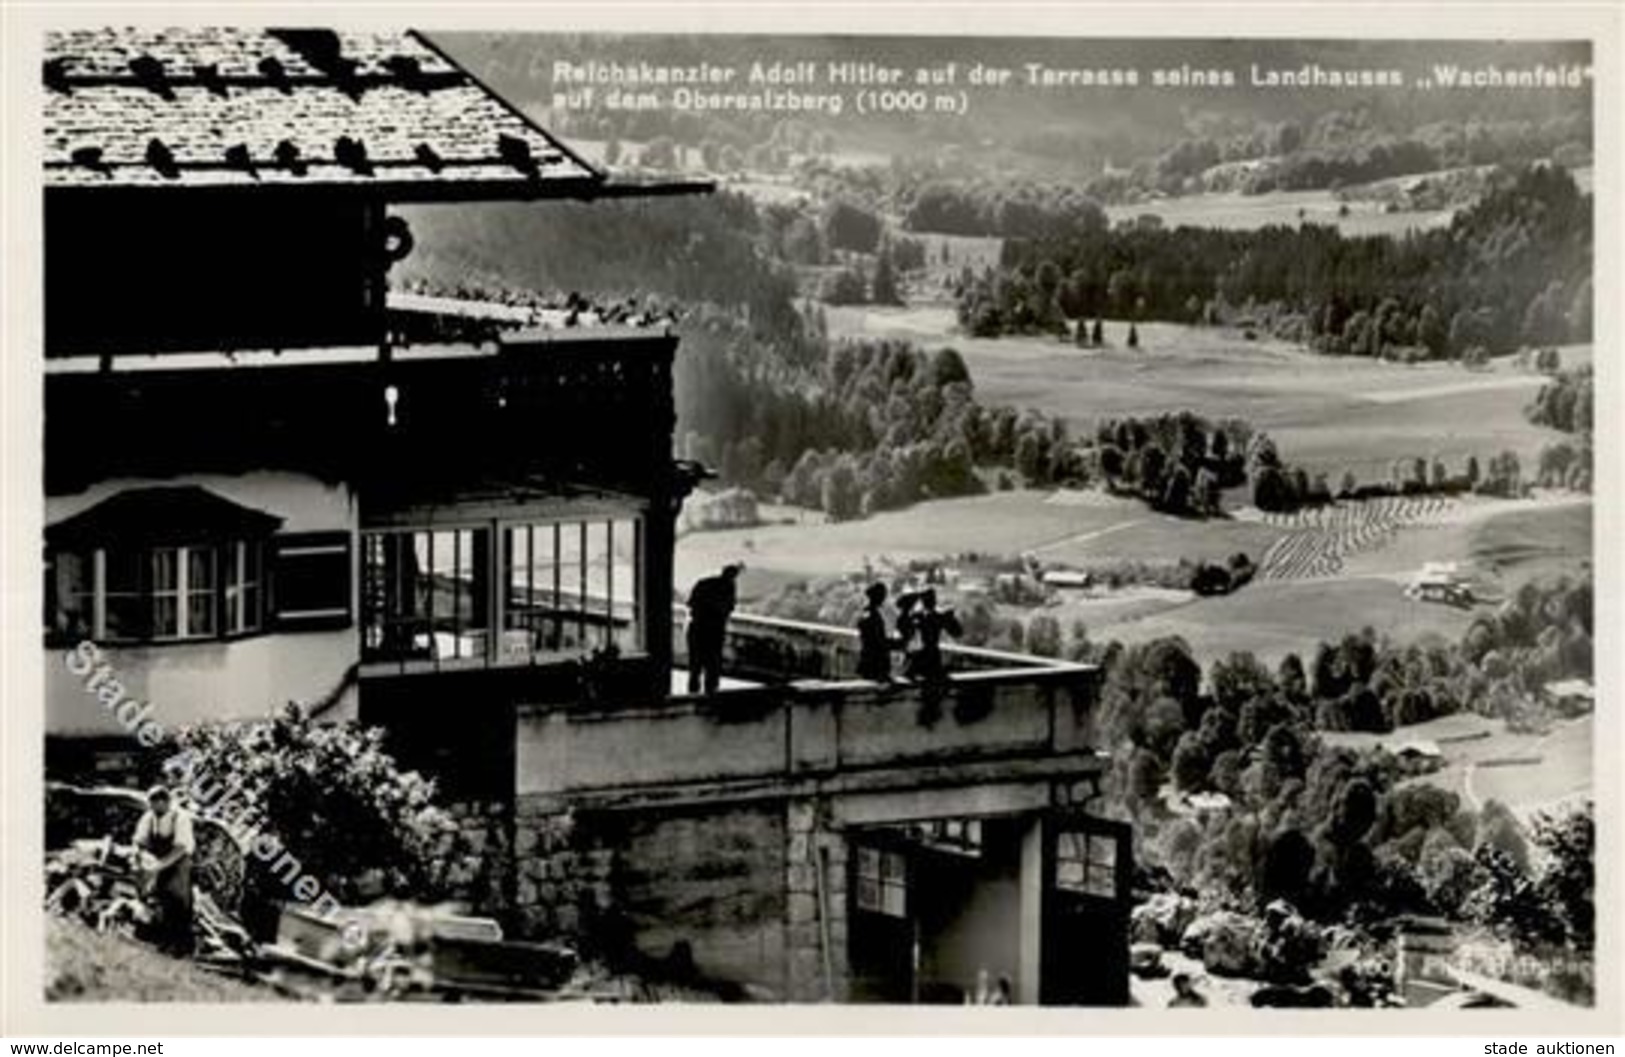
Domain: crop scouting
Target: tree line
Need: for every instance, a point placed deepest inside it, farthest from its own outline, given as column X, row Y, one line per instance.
column 878, row 425
column 1564, row 403
column 1513, row 269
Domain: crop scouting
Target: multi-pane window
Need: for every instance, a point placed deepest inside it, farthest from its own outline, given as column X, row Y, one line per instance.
column 881, row 881
column 567, row 588
column 157, row 594
column 961, row 836
column 426, row 594
column 1087, row 863
column 571, row 587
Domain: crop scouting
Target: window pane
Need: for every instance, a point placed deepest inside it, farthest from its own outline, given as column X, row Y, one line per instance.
column 200, row 567
column 200, row 588
column 126, row 614
column 571, row 635
column 73, row 587
column 242, row 563
column 624, row 585
column 123, row 571
column 200, row 610
column 165, row 569
column 165, row 616
column 250, row 608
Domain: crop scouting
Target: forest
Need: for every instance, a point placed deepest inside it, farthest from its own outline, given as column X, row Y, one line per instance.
column 763, row 394
column 1514, row 269
column 1333, row 831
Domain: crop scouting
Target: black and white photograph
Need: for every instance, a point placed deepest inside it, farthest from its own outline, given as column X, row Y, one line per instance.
column 585, row 517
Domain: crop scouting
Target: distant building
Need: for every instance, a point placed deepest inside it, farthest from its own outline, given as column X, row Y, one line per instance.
column 1419, row 749
column 1440, row 582
column 1570, row 697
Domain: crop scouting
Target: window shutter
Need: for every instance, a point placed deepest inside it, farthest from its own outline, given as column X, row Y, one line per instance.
column 310, row 581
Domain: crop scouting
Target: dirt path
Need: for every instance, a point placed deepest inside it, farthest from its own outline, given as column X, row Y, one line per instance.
column 1082, row 537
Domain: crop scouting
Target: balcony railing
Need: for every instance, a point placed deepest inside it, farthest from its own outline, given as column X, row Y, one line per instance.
column 811, row 718
column 766, row 649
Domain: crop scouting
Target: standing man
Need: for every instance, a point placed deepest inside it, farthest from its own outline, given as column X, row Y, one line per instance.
column 163, row 837
column 710, row 604
column 875, row 643
column 922, row 631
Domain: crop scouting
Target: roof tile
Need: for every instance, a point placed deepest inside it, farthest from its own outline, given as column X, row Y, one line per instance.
column 199, row 92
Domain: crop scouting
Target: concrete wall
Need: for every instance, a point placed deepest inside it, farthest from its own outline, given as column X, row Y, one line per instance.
column 806, row 728
column 214, row 681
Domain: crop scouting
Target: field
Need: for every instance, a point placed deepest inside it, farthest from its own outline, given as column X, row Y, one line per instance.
column 1528, row 772
column 1239, row 212
column 1272, row 619
column 1323, row 573
column 1533, row 542
column 1005, row 523
column 1326, row 413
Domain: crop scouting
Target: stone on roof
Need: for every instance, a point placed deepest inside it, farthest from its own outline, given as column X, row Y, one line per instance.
column 256, row 107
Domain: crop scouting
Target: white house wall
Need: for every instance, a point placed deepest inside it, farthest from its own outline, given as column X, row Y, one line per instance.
column 216, row 681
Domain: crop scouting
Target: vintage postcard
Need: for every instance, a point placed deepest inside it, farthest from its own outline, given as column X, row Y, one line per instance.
column 557, row 513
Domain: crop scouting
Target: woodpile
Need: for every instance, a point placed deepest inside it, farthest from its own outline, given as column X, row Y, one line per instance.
column 98, row 882
column 389, row 951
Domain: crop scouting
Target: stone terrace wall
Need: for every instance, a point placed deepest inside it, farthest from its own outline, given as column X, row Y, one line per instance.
column 734, row 888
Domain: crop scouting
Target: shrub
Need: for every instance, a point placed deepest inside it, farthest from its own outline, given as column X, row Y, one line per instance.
column 329, row 796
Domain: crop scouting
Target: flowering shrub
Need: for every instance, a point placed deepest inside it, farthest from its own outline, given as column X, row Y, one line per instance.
column 331, row 797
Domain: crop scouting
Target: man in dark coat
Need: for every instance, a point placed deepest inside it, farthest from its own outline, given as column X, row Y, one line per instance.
column 710, row 604
column 922, row 629
column 875, row 643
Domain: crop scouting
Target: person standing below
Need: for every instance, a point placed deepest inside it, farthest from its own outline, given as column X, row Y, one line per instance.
column 163, row 837
column 922, row 630
column 874, row 642
column 710, row 604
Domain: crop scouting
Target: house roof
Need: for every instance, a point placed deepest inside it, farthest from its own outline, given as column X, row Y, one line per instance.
column 159, row 515
column 239, row 107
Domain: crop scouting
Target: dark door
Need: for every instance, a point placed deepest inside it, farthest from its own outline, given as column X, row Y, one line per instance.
column 882, row 941
column 1088, row 867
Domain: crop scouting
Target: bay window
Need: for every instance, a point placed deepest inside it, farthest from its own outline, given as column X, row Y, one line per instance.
column 139, row 594
column 169, row 563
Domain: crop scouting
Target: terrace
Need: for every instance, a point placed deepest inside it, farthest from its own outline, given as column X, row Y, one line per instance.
column 791, row 707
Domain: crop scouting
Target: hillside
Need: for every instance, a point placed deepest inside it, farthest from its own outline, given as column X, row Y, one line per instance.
column 86, row 966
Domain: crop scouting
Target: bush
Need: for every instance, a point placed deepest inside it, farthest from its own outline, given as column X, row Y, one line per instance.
column 1227, row 943
column 329, row 796
column 1211, row 579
